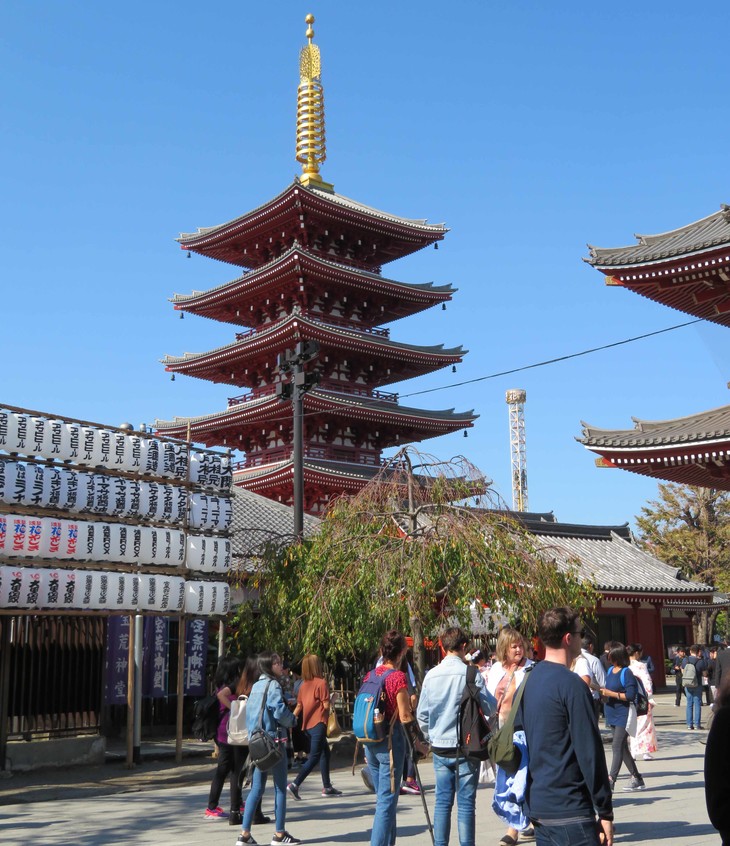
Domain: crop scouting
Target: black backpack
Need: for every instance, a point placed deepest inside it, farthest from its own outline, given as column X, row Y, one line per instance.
column 206, row 717
column 472, row 728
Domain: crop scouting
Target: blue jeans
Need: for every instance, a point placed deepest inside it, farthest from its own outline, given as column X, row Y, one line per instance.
column 694, row 705
column 584, row 833
column 258, row 783
column 465, row 790
column 319, row 752
column 378, row 759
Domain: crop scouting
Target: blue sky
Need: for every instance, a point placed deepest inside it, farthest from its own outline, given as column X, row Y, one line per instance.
column 528, row 128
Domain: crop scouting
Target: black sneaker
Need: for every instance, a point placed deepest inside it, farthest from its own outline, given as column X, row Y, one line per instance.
column 635, row 784
column 246, row 841
column 331, row 791
column 294, row 790
column 285, row 838
column 235, row 818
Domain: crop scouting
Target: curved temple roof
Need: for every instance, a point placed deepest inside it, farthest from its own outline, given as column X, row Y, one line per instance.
column 239, row 241
column 246, row 291
column 707, row 233
column 692, row 450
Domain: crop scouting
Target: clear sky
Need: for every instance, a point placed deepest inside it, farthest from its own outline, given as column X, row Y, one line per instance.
column 529, row 128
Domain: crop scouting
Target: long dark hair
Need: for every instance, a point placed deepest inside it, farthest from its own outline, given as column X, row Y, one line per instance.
column 248, row 677
column 227, row 672
column 265, row 663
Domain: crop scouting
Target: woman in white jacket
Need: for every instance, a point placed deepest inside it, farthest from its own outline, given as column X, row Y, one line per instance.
column 505, row 676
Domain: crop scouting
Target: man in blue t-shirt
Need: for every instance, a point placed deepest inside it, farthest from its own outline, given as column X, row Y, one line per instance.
column 567, row 779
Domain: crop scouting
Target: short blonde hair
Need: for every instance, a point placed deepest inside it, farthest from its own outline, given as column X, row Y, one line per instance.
column 506, row 638
column 312, row 667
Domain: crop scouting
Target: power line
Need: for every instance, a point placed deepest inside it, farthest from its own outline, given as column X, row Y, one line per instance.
column 552, row 360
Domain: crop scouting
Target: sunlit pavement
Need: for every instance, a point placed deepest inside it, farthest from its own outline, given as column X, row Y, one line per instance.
column 672, row 808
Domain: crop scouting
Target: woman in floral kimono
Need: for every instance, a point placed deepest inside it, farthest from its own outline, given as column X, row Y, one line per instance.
column 644, row 744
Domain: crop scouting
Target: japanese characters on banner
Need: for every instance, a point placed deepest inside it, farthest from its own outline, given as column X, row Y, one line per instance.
column 155, row 663
column 196, row 649
column 116, row 661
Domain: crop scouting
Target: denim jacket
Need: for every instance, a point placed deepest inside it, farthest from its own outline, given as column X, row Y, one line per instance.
column 438, row 705
column 276, row 713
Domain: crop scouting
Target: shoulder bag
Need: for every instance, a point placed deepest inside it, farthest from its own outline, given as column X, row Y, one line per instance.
column 264, row 750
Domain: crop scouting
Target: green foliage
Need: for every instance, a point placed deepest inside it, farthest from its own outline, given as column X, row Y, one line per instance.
column 689, row 527
column 410, row 551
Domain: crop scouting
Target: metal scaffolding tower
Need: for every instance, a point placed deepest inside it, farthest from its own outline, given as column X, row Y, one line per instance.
column 518, row 451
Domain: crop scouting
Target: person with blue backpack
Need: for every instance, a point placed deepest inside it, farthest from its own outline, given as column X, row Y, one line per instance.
column 382, row 715
column 619, row 693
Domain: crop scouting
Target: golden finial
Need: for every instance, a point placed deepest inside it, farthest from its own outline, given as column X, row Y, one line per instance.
column 311, row 149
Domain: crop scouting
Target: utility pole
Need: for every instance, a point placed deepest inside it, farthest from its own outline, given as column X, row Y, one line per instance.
column 294, row 361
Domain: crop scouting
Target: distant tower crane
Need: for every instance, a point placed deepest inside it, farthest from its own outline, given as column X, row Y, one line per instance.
column 518, row 451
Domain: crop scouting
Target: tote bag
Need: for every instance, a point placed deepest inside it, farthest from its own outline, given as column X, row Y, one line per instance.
column 237, row 729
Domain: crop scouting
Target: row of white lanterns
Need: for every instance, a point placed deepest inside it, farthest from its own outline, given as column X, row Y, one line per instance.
column 41, row 437
column 22, row 536
column 79, row 590
column 47, row 486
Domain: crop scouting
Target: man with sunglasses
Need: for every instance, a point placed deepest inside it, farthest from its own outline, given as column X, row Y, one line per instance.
column 567, row 779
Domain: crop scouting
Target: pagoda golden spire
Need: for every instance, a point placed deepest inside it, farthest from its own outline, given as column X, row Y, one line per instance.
column 311, row 147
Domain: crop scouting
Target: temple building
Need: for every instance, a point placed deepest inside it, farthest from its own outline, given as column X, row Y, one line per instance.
column 687, row 269
column 312, row 279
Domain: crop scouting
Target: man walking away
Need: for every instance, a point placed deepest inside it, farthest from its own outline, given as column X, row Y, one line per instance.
column 692, row 668
column 567, row 779
column 438, row 716
column 679, row 656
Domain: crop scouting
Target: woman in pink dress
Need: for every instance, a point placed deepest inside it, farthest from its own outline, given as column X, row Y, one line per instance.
column 644, row 744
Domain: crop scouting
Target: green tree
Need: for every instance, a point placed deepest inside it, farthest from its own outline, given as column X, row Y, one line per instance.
column 689, row 528
column 411, row 550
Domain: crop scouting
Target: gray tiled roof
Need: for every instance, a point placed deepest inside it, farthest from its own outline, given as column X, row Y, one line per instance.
column 612, row 562
column 258, row 521
column 704, row 427
column 710, row 232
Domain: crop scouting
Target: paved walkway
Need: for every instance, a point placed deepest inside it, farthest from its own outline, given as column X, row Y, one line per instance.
column 162, row 804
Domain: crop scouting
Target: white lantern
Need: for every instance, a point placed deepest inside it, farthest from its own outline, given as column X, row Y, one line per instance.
column 149, row 500
column 207, row 598
column 180, row 504
column 199, row 553
column 123, row 540
column 15, row 432
column 199, row 511
column 137, row 454
column 166, row 503
column 121, row 446
column 106, row 448
column 89, row 447
column 221, row 555
column 68, row 588
column 13, row 486
column 153, row 457
column 34, row 494
column 34, row 532
column 226, row 473
column 51, row 537
column 118, row 496
column 20, row 587
column 89, row 589
column 4, row 534
column 197, row 460
column 55, row 434
column 159, row 593
column 72, row 439
column 148, row 546
column 40, row 437
column 55, row 487
column 102, row 494
column 123, row 591
column 17, row 541
column 133, row 498
column 170, row 544
column 54, row 588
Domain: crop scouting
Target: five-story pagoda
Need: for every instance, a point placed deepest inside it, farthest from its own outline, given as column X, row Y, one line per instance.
column 312, row 273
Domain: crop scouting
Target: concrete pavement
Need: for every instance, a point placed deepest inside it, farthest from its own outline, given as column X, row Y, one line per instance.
column 161, row 804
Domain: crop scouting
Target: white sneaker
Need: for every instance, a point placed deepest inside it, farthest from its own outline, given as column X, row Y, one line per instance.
column 648, row 757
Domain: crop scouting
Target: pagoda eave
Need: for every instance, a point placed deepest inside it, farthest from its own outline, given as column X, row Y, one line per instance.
column 699, row 470
column 298, row 276
column 243, row 362
column 306, row 214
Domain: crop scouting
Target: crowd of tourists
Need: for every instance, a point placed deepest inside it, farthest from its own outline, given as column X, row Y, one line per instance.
column 556, row 789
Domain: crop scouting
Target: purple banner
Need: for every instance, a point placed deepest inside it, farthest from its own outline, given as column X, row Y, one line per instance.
column 196, row 652
column 116, row 661
column 155, row 662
